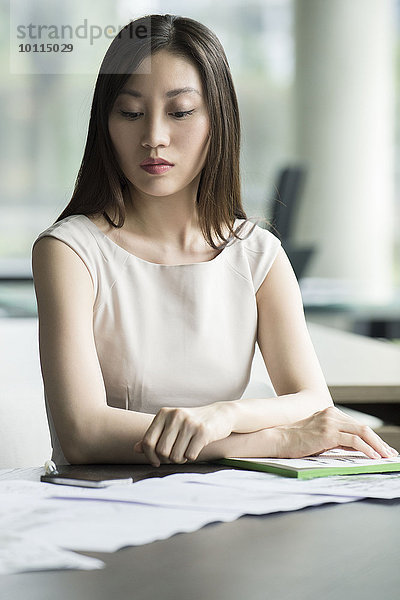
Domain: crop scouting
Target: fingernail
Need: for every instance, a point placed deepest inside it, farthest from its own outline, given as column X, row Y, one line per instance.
column 376, row 455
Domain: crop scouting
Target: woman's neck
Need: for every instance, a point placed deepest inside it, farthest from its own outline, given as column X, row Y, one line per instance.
column 169, row 220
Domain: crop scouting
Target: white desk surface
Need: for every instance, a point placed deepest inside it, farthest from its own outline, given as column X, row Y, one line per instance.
column 357, row 368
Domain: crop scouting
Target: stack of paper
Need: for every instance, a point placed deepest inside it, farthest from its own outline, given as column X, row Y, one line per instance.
column 43, row 524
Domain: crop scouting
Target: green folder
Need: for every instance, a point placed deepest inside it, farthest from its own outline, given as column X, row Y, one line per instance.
column 326, row 464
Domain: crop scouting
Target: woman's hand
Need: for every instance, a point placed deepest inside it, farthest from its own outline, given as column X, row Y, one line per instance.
column 327, row 429
column 179, row 434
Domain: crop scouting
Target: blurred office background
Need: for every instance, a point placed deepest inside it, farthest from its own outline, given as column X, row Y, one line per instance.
column 318, row 86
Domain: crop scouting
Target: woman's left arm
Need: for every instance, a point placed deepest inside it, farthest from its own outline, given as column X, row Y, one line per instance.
column 177, row 434
column 299, row 422
column 288, row 353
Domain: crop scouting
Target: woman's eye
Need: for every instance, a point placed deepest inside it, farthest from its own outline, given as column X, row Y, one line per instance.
column 130, row 115
column 181, row 114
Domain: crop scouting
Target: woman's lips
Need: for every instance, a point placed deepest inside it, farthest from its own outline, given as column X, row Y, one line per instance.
column 156, row 166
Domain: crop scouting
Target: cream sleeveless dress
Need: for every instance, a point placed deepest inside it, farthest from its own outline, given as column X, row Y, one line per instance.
column 170, row 335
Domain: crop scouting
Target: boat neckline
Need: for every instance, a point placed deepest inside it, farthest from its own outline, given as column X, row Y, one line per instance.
column 98, row 231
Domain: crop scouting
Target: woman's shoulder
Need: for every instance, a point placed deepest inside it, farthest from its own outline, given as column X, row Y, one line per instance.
column 72, row 225
column 73, row 231
column 253, row 250
column 77, row 231
column 254, row 238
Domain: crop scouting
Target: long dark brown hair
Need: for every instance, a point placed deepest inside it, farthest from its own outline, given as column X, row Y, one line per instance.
column 100, row 181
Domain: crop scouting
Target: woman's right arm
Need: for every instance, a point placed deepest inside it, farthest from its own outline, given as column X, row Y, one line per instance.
column 88, row 429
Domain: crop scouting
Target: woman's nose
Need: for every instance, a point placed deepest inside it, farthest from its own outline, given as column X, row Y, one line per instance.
column 155, row 132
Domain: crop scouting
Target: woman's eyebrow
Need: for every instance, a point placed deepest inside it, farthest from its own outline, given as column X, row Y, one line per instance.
column 184, row 90
column 130, row 92
column 169, row 94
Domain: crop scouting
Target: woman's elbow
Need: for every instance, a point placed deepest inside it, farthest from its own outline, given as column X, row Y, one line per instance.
column 78, row 445
column 75, row 452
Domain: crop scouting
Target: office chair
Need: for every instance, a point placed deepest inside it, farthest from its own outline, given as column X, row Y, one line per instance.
column 285, row 205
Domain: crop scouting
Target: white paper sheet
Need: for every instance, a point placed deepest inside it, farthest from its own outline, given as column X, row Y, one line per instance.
column 156, row 509
column 19, row 554
column 107, row 526
column 27, row 474
column 69, row 518
column 385, row 486
column 200, row 492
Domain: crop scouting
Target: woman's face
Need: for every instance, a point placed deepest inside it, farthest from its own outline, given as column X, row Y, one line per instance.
column 160, row 118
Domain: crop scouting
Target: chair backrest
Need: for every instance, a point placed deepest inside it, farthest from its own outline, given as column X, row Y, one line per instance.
column 285, row 206
column 286, row 199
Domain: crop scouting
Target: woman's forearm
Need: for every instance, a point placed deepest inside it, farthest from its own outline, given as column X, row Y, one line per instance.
column 263, row 443
column 107, row 437
column 114, row 432
column 111, row 434
column 253, row 414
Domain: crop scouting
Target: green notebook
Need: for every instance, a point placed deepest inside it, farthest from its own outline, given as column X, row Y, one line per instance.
column 332, row 462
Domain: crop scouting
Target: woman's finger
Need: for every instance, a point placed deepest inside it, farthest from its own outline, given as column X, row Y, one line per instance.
column 369, row 437
column 179, row 449
column 151, row 438
column 367, row 434
column 197, row 443
column 354, row 441
column 166, row 442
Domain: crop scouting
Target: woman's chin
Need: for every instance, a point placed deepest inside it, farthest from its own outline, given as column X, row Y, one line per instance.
column 160, row 190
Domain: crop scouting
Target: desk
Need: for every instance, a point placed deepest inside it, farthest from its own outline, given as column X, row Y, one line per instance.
column 358, row 370
column 330, row 552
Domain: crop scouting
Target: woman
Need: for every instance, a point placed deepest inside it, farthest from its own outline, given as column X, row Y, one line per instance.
column 152, row 287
